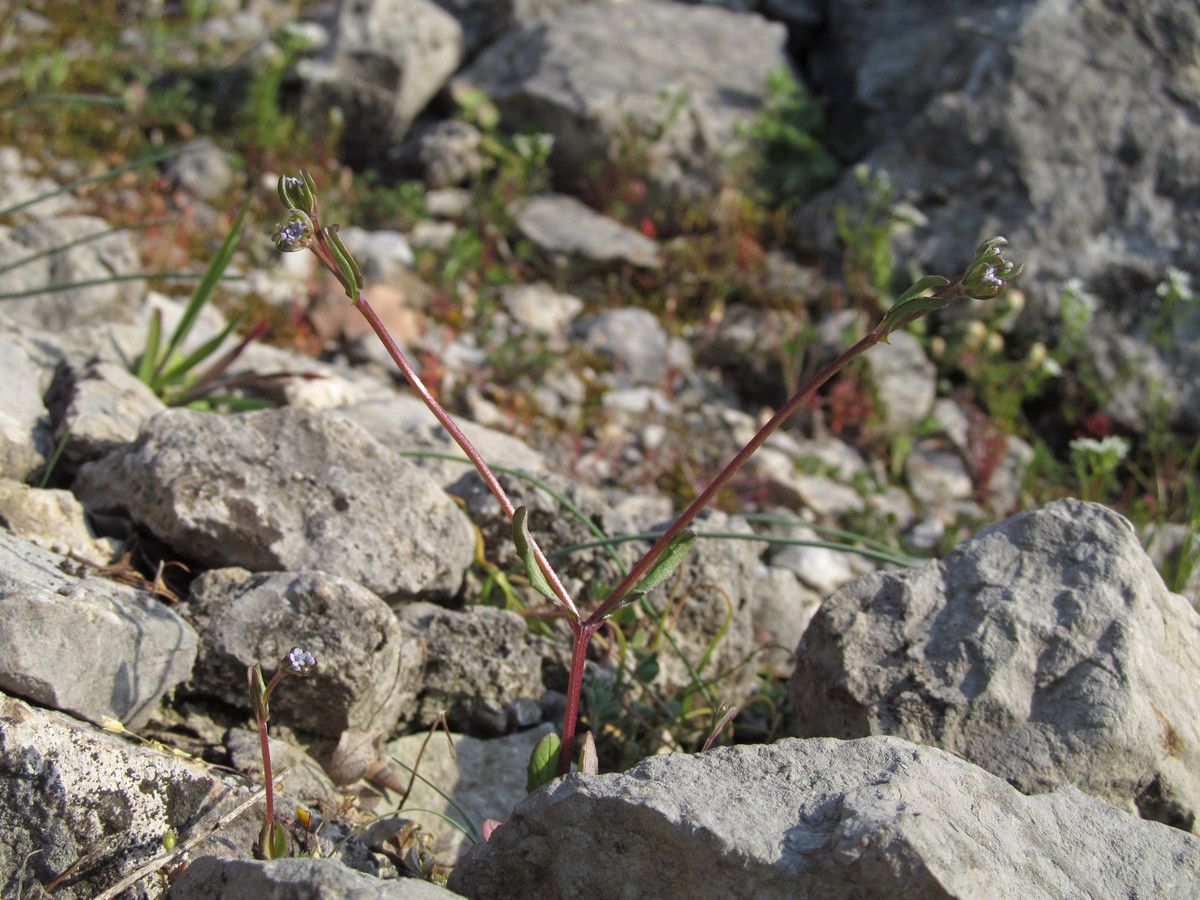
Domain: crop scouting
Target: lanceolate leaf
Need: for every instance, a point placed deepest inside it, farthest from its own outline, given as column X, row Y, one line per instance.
column 664, row 567
column 524, row 544
column 543, row 763
column 912, row 305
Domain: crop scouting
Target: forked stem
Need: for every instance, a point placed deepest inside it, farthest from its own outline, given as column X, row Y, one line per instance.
column 985, row 278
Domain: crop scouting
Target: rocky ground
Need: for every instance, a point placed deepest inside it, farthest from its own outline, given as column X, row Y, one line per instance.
column 986, row 689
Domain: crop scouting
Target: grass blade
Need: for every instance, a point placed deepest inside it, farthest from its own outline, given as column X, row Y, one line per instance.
column 208, row 283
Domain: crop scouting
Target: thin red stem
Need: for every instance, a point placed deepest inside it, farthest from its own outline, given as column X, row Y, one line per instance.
column 269, row 786
column 583, row 629
column 581, row 636
column 468, row 448
column 706, row 496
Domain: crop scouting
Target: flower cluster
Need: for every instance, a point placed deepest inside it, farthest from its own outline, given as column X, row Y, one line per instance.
column 301, row 230
column 301, row 661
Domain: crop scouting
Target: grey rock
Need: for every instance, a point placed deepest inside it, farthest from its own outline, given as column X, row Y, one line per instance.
column 69, row 790
column 25, row 439
column 112, row 254
column 1046, row 649
column 485, row 779
column 633, row 405
column 937, row 476
column 925, row 536
column 386, row 60
column 825, row 496
column 781, row 610
column 481, row 668
column 1071, row 129
column 246, row 619
column 821, row 569
column 403, row 423
column 540, row 309
column 202, row 170
column 286, row 489
column 448, row 203
column 578, row 239
column 904, row 381
column 383, row 256
column 83, row 644
column 675, row 78
column 1145, row 381
column 632, row 338
column 97, row 406
column 484, row 20
column 872, row 818
column 52, row 519
column 429, row 235
column 21, row 185
column 1005, row 482
column 213, row 878
column 448, row 153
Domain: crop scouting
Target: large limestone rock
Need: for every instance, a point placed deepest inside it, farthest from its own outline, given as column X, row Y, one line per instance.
column 385, row 62
column 366, row 674
column 596, row 75
column 84, row 644
column 1070, row 128
column 286, row 489
column 872, row 818
column 1046, row 650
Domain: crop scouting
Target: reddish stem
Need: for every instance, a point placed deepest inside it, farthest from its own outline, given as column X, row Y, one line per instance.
column 270, row 781
column 583, row 629
column 468, row 448
column 709, row 493
column 581, row 637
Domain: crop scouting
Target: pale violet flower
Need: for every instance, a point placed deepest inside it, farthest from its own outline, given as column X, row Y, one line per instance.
column 301, row 661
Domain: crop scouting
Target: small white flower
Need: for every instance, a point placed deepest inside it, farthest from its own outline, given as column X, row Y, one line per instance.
column 1112, row 446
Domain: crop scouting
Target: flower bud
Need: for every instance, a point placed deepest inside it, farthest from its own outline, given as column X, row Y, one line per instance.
column 989, row 272
column 294, row 234
column 298, row 192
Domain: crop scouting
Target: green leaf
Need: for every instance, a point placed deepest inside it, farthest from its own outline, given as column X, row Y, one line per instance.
column 258, row 692
column 664, row 567
column 928, row 283
column 524, row 544
column 543, row 763
column 912, row 305
column 647, row 669
column 272, row 841
column 176, row 373
column 208, row 283
column 351, row 279
column 149, row 361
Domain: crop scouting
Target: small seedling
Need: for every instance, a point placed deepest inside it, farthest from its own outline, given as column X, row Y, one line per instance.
column 272, row 840
column 986, row 277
